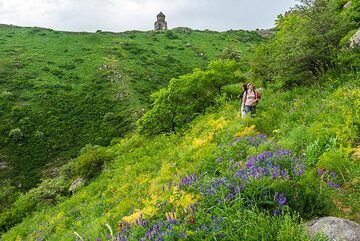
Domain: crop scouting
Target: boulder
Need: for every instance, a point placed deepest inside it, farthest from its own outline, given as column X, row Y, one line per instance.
column 355, row 39
column 336, row 229
column 78, row 183
column 3, row 165
column 348, row 4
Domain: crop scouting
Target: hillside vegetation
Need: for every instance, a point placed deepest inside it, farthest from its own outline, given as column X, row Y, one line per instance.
column 60, row 91
column 193, row 169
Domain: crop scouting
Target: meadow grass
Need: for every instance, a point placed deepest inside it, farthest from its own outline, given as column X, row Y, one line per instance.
column 184, row 186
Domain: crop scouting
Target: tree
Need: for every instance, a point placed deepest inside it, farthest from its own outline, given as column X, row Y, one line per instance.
column 231, row 53
column 188, row 96
column 306, row 45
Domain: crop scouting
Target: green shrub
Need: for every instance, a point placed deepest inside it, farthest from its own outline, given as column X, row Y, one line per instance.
column 16, row 135
column 231, row 53
column 8, row 194
column 91, row 161
column 336, row 160
column 233, row 92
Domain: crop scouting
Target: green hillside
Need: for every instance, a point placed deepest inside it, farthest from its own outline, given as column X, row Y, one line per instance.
column 154, row 177
column 189, row 167
column 61, row 91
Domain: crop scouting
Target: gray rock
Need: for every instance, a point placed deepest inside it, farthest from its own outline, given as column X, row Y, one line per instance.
column 77, row 184
column 266, row 33
column 54, row 172
column 336, row 229
column 355, row 40
column 347, row 5
column 3, row 165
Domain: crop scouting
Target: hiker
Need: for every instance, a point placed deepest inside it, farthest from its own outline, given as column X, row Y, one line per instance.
column 242, row 110
column 250, row 99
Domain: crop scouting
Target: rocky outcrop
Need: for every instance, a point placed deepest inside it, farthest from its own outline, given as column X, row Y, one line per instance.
column 77, row 184
column 355, row 39
column 336, row 229
column 348, row 4
column 3, row 165
column 266, row 33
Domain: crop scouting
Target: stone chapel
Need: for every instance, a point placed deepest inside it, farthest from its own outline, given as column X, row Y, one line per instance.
column 160, row 24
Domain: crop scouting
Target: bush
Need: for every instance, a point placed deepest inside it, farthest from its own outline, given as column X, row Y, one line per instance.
column 16, row 135
column 306, row 45
column 188, row 96
column 234, row 91
column 91, row 161
column 171, row 35
column 231, row 53
column 8, row 194
column 47, row 193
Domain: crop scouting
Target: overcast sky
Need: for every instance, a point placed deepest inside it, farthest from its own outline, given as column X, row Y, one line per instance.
column 122, row 15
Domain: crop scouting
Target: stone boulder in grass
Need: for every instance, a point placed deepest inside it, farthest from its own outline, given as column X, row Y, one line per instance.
column 335, row 229
column 347, row 5
column 355, row 39
column 77, row 184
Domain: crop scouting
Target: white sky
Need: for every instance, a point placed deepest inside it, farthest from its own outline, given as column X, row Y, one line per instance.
column 122, row 15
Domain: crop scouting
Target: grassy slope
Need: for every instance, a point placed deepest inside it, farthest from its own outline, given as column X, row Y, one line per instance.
column 64, row 90
column 142, row 167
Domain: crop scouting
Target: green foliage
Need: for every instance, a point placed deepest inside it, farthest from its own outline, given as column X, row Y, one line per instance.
column 16, row 135
column 91, row 161
column 306, row 45
column 60, row 91
column 194, row 180
column 8, row 194
column 231, row 53
column 137, row 181
column 188, row 96
column 47, row 193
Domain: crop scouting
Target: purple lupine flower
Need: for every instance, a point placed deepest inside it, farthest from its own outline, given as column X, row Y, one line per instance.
column 320, row 172
column 148, row 233
column 188, row 180
column 250, row 163
column 276, row 172
column 280, row 198
column 333, row 174
column 298, row 169
column 120, row 237
column 262, row 137
column 332, row 184
column 329, row 183
column 277, row 212
column 155, row 229
column 284, row 173
column 229, row 197
column 98, row 239
column 192, row 207
column 182, row 234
